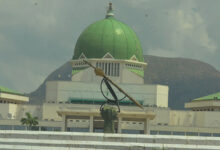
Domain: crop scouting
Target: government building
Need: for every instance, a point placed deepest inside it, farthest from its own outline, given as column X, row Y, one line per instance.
column 74, row 105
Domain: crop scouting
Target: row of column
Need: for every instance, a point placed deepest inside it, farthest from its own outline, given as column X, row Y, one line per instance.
column 91, row 124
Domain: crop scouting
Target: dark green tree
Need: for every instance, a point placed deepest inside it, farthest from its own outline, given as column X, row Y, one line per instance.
column 29, row 121
column 109, row 114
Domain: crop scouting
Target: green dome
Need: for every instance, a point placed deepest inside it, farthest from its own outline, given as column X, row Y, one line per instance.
column 108, row 36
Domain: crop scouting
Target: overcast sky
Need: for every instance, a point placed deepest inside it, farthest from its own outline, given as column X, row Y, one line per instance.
column 38, row 36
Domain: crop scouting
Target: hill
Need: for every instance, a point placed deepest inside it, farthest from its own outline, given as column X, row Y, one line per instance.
column 187, row 79
column 62, row 73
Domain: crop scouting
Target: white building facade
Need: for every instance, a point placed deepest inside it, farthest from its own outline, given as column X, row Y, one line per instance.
column 113, row 47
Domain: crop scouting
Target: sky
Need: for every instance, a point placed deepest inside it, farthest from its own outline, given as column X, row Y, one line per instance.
column 38, row 36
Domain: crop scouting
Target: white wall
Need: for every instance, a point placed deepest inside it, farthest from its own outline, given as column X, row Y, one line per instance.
column 212, row 119
column 8, row 111
column 49, row 112
column 162, row 117
column 150, row 94
column 34, row 110
column 130, row 77
column 162, row 95
column 4, row 110
column 13, row 97
column 204, row 105
column 125, row 76
column 68, row 89
column 51, row 90
column 86, row 75
column 194, row 118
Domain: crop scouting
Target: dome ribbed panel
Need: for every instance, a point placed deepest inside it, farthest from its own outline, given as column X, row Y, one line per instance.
column 129, row 40
column 108, row 36
column 137, row 50
column 120, row 41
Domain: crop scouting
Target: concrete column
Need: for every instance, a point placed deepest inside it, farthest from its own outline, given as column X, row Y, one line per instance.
column 146, row 126
column 91, row 121
column 64, row 125
column 171, row 132
column 119, row 124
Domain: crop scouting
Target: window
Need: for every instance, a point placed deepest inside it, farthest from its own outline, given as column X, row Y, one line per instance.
column 5, row 127
column 134, row 66
column 19, row 127
column 110, row 69
column 102, row 66
column 44, row 128
column 117, row 71
column 106, row 68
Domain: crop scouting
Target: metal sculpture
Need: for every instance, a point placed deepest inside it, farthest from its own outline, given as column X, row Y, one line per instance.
column 114, row 101
column 108, row 82
column 109, row 114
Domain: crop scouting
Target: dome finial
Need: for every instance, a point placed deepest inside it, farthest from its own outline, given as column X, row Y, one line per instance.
column 109, row 11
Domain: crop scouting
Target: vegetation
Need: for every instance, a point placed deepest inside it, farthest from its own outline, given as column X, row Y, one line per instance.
column 29, row 121
column 109, row 114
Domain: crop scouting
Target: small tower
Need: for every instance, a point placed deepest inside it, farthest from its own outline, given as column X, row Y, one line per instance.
column 109, row 11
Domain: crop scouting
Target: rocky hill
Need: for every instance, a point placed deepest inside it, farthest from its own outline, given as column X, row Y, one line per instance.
column 62, row 73
column 187, row 79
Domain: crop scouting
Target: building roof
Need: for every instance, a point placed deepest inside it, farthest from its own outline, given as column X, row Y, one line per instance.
column 7, row 90
column 215, row 96
column 108, row 36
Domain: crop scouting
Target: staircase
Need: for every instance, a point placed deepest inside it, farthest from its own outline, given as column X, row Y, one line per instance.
column 42, row 140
